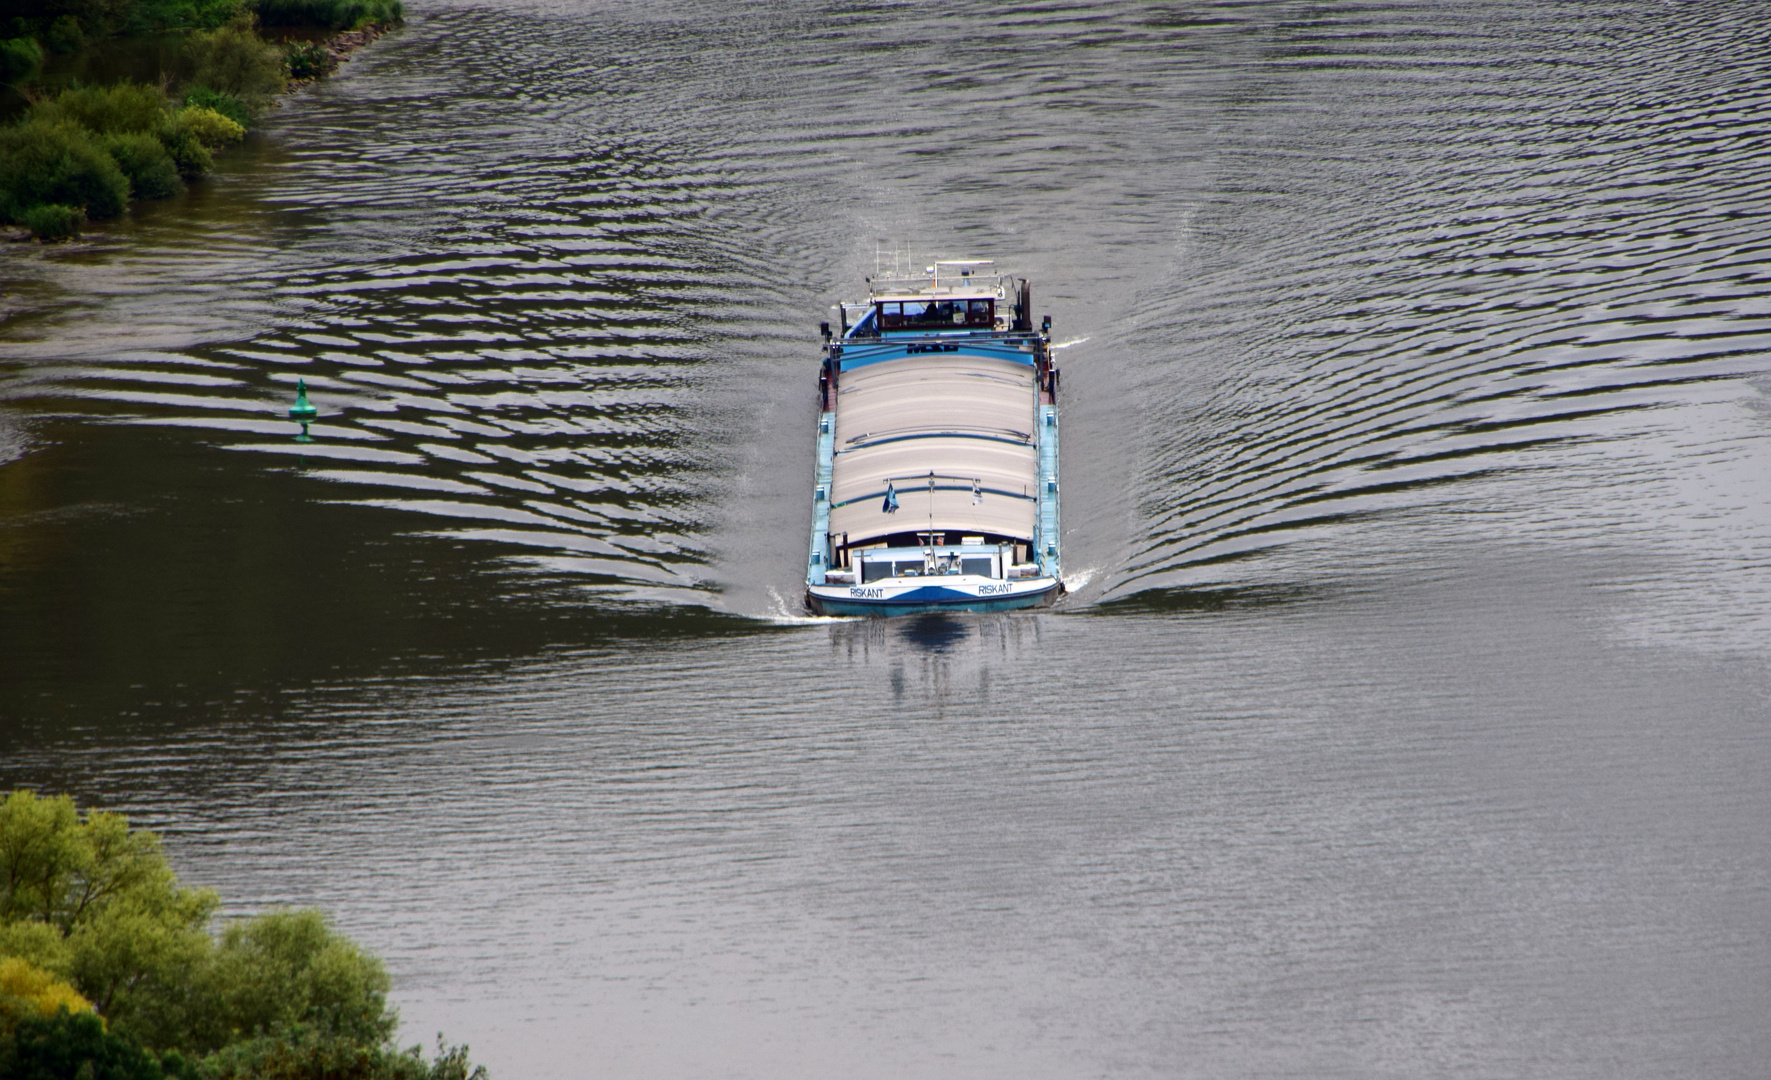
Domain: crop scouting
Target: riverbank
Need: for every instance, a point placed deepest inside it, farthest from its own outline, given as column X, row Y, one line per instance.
column 340, row 46
column 98, row 125
column 310, row 59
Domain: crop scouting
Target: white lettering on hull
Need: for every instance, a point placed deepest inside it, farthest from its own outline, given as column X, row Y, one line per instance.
column 877, row 592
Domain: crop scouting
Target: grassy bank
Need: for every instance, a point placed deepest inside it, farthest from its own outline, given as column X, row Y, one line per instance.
column 111, row 970
column 112, row 101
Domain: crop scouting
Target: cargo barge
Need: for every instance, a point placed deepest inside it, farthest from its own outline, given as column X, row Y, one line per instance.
column 937, row 468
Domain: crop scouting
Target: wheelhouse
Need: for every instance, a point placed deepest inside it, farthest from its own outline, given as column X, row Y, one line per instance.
column 955, row 560
column 965, row 560
column 924, row 315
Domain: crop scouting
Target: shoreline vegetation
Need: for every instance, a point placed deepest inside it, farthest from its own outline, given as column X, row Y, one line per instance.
column 109, row 102
column 112, row 970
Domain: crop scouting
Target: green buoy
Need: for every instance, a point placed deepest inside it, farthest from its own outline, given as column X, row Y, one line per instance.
column 302, row 410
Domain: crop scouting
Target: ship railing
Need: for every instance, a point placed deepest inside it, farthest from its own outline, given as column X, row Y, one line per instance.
column 998, row 285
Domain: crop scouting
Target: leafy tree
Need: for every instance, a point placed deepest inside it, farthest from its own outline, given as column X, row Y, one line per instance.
column 290, row 968
column 282, row 971
column 73, row 1045
column 28, row 991
column 20, row 58
column 93, row 918
column 96, row 902
column 58, row 869
column 37, row 942
column 137, row 954
column 65, row 35
column 235, row 60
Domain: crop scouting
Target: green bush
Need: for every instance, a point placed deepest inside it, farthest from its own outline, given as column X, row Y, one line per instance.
column 77, row 1045
column 235, row 60
column 332, row 14
column 143, row 158
column 289, row 968
column 267, row 976
column 226, row 104
column 187, row 151
column 307, row 60
column 147, row 16
column 48, row 161
column 64, row 35
column 20, row 58
column 297, row 1055
column 210, row 127
column 50, row 222
column 107, row 110
column 303, row 1053
column 64, row 25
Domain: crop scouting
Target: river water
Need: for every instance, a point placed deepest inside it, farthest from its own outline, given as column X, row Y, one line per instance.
column 1408, row 713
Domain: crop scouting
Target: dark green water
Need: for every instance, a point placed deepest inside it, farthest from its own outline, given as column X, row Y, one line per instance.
column 1408, row 715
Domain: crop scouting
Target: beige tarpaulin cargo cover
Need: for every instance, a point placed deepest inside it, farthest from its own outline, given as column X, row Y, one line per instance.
column 965, row 418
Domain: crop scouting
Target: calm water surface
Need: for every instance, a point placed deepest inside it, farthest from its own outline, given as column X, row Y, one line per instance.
column 1408, row 714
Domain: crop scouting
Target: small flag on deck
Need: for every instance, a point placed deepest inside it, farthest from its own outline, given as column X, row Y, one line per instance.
column 890, row 506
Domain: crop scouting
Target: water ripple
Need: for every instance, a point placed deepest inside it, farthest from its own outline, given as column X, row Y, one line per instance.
column 1334, row 277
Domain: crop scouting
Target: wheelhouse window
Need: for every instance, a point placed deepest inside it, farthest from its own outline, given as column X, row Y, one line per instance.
column 878, row 569
column 936, row 314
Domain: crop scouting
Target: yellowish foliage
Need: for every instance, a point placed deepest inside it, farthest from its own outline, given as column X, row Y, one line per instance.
column 211, row 128
column 26, row 988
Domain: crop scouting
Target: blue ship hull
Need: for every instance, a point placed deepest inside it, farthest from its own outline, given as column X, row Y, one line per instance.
column 912, row 605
